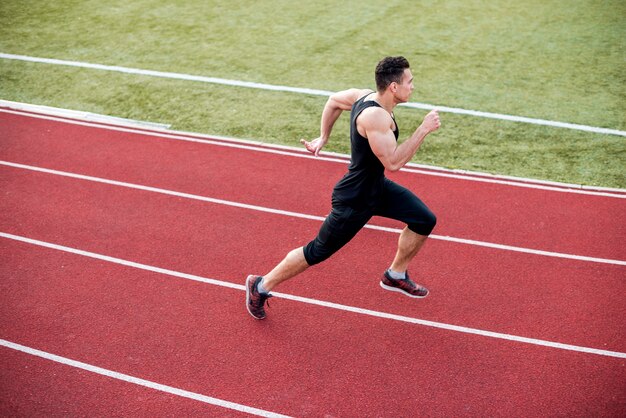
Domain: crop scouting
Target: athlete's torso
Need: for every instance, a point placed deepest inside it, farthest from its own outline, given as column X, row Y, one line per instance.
column 363, row 183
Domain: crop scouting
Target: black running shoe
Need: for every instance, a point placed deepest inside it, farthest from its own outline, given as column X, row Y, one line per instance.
column 405, row 286
column 255, row 299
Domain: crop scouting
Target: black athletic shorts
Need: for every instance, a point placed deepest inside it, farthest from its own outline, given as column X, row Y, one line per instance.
column 344, row 221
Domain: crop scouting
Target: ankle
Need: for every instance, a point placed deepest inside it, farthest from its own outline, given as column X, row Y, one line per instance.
column 396, row 275
column 260, row 286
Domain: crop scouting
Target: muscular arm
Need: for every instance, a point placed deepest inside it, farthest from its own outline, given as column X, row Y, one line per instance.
column 335, row 105
column 376, row 124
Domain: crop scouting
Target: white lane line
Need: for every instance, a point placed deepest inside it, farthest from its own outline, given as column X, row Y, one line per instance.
column 556, row 187
column 510, row 247
column 138, row 381
column 512, row 118
column 305, row 216
column 270, row 87
column 340, row 158
column 347, row 308
column 25, row 109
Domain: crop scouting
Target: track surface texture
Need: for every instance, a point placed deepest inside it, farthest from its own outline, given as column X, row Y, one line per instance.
column 126, row 249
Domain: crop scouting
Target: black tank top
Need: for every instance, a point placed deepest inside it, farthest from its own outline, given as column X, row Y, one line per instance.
column 362, row 185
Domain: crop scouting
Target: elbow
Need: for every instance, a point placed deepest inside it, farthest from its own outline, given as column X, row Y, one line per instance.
column 393, row 167
column 390, row 164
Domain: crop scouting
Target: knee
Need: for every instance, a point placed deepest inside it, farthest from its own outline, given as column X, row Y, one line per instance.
column 314, row 253
column 425, row 225
column 432, row 221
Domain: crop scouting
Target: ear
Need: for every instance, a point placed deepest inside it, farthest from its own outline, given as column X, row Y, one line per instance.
column 394, row 87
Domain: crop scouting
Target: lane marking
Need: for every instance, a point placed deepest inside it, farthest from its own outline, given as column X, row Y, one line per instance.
column 305, row 216
column 298, row 90
column 138, row 381
column 344, row 159
column 98, row 119
column 332, row 305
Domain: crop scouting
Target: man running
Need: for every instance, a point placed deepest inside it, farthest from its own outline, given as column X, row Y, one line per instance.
column 364, row 191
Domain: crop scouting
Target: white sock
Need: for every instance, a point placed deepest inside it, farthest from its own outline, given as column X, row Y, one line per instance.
column 260, row 287
column 395, row 275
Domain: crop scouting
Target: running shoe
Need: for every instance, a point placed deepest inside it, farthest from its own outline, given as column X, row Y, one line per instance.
column 255, row 300
column 405, row 286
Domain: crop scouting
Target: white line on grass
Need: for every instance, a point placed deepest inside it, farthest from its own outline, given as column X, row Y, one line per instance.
column 338, row 158
column 305, row 216
column 332, row 305
column 138, row 381
column 262, row 86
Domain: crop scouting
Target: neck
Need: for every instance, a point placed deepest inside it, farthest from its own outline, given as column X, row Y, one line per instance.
column 387, row 101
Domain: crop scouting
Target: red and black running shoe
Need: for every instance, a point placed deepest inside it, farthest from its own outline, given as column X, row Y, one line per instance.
column 405, row 286
column 255, row 300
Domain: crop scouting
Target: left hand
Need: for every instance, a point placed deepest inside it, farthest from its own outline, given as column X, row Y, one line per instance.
column 431, row 121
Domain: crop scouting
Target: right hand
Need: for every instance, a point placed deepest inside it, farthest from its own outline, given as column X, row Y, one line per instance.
column 431, row 121
column 314, row 146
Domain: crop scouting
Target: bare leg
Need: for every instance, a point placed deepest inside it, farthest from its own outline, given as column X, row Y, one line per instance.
column 292, row 265
column 409, row 245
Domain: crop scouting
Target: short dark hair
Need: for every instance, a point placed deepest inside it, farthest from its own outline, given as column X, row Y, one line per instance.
column 389, row 70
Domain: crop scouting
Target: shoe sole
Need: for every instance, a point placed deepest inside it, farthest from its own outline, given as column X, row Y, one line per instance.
column 395, row 289
column 250, row 277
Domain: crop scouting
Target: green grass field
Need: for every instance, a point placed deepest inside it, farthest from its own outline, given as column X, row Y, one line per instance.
column 548, row 59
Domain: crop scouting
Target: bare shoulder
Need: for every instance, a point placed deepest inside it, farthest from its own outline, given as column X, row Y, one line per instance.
column 374, row 117
column 362, row 92
column 373, row 121
column 346, row 98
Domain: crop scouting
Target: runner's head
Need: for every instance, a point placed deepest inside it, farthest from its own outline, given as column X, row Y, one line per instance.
column 390, row 70
column 393, row 76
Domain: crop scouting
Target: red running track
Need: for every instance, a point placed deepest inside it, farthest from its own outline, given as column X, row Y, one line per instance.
column 304, row 360
column 489, row 212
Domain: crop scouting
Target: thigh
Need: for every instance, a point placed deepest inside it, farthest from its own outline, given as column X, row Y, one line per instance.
column 401, row 204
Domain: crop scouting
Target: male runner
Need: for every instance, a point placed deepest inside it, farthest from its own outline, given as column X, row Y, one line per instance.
column 364, row 191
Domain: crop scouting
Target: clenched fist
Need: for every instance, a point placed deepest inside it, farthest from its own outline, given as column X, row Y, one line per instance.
column 431, row 121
